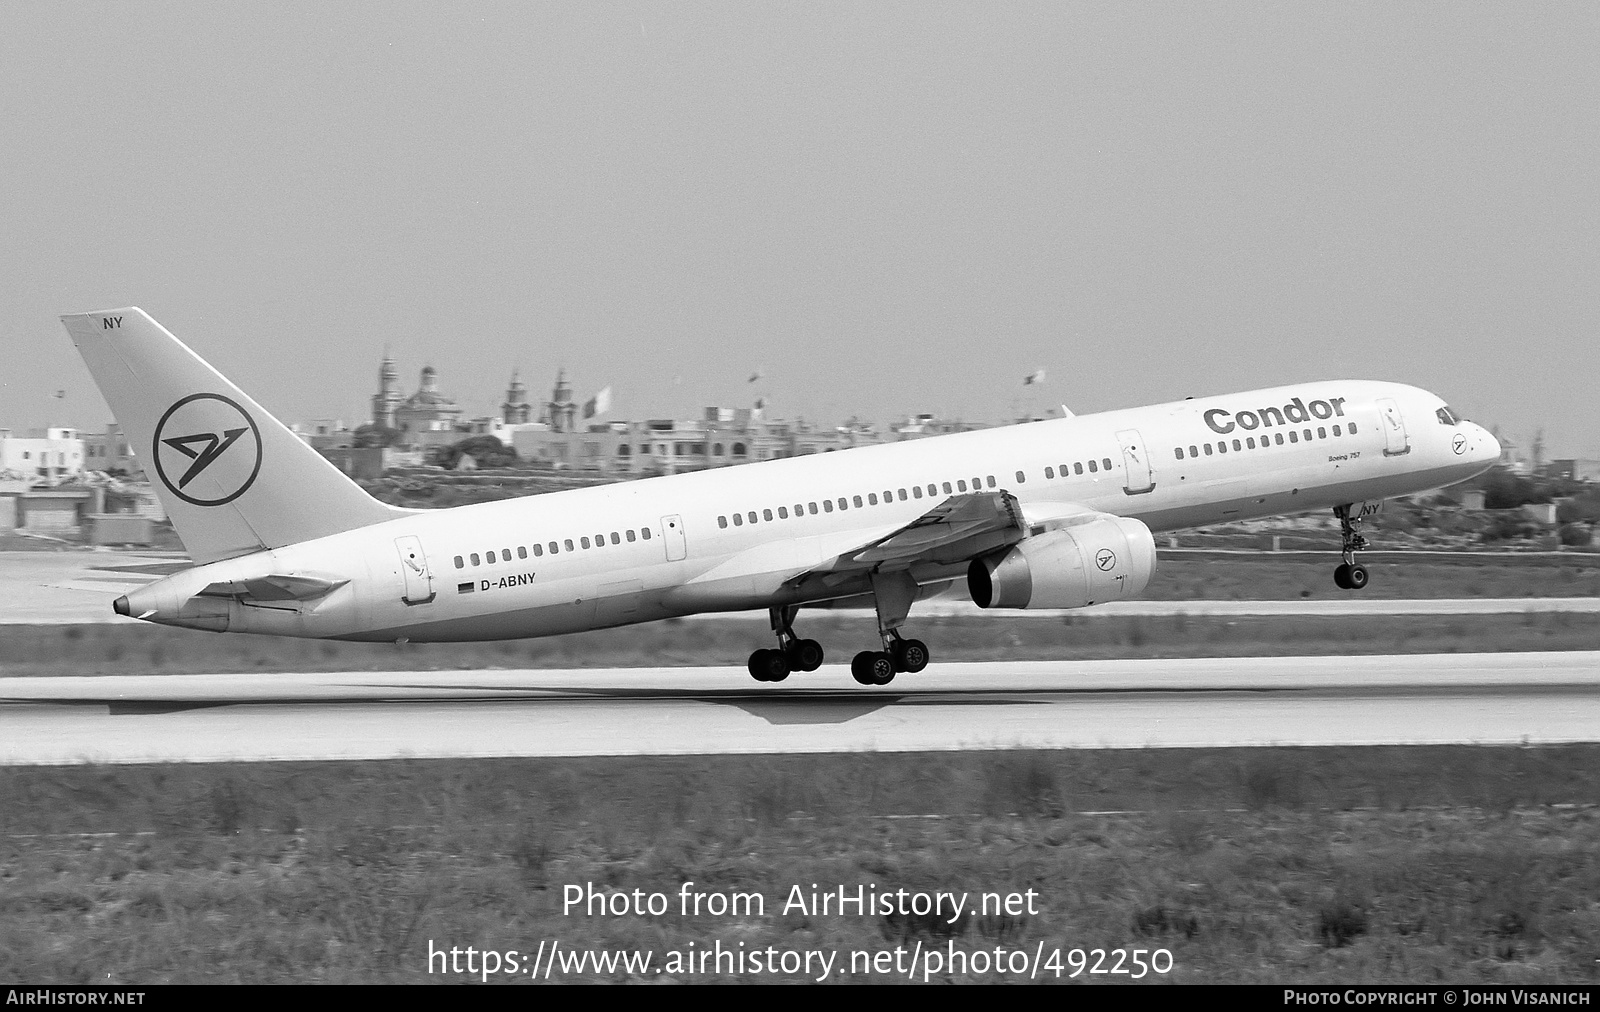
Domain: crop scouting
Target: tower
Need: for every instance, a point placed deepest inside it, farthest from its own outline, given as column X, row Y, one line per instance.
column 388, row 396
column 561, row 413
column 516, row 410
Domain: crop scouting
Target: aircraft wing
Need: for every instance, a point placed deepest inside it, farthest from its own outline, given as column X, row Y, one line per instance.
column 957, row 529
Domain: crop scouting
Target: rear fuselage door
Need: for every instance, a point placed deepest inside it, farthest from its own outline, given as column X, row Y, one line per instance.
column 1395, row 442
column 672, row 532
column 1135, row 463
column 414, row 571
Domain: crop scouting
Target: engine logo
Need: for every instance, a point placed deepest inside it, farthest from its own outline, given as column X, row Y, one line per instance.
column 1105, row 559
column 213, row 454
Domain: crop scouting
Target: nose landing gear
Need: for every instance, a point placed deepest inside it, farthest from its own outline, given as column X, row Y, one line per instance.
column 1351, row 575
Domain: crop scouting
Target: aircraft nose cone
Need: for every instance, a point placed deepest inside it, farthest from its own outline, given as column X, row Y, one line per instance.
column 1491, row 445
column 120, row 606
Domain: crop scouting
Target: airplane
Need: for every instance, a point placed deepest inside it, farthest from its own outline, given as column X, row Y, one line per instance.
column 1053, row 514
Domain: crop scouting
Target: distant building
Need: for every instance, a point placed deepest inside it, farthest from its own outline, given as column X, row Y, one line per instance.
column 1573, row 469
column 918, row 426
column 110, row 451
column 49, row 454
column 428, row 417
column 516, row 410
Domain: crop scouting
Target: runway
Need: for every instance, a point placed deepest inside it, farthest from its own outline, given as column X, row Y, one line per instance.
column 1503, row 698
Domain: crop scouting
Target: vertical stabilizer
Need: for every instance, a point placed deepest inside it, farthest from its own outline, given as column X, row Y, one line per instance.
column 233, row 478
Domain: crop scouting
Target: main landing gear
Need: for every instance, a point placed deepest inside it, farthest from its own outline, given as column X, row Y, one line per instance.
column 893, row 594
column 1351, row 575
column 793, row 654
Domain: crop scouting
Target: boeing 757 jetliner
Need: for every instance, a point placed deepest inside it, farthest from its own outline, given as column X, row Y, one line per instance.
column 1054, row 514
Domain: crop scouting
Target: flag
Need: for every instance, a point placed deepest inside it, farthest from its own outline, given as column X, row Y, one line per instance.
column 1033, row 378
column 599, row 404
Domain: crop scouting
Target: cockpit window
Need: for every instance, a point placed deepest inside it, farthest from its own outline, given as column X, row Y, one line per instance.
column 1447, row 417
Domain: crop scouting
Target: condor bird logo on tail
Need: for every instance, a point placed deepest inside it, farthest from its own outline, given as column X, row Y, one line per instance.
column 216, row 449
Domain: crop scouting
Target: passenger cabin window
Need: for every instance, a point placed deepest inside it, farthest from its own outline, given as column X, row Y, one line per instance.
column 631, row 536
column 766, row 514
column 827, row 505
column 1049, row 472
column 738, row 520
column 1105, row 462
column 616, row 539
column 752, row 516
column 783, row 512
column 505, row 555
column 568, row 543
column 459, row 563
column 916, row 491
column 522, row 553
column 961, row 485
column 538, row 551
column 857, row 500
column 584, row 542
column 1294, row 437
column 474, row 558
column 872, row 498
column 722, row 522
column 1222, row 446
column 947, row 488
column 1021, row 478
column 645, row 533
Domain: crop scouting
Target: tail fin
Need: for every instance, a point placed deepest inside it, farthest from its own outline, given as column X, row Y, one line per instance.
column 233, row 479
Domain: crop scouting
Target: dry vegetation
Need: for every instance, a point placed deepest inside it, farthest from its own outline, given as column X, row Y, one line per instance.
column 1337, row 865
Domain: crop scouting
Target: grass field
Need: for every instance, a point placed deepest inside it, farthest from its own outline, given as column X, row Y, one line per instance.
column 1326, row 865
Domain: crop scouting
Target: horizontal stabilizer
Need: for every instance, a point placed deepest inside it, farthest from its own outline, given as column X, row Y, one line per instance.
column 276, row 588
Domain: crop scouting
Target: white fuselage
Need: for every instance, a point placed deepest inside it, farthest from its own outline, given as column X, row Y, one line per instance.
column 660, row 547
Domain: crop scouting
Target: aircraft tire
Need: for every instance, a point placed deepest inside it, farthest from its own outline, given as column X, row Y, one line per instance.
column 1341, row 576
column 755, row 666
column 805, row 655
column 861, row 667
column 881, row 669
column 1357, row 577
column 910, row 656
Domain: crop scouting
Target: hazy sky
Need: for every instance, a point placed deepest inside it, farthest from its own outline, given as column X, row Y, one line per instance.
column 887, row 208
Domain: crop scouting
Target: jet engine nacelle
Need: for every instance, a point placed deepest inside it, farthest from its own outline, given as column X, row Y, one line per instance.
column 1103, row 559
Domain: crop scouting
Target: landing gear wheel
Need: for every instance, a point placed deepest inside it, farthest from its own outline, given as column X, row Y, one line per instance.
column 1357, row 577
column 768, row 666
column 910, row 656
column 861, row 667
column 804, row 655
column 1341, row 576
column 880, row 668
